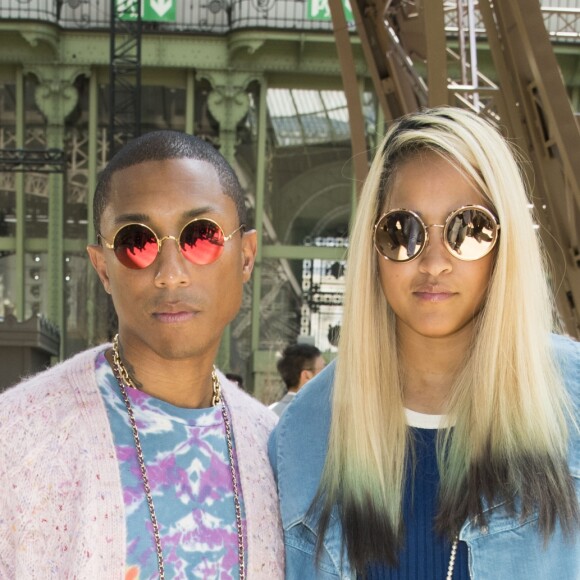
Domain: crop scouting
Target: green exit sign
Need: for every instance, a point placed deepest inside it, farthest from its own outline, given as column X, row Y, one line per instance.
column 319, row 10
column 151, row 10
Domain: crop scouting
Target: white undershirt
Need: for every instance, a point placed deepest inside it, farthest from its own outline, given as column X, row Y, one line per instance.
column 423, row 420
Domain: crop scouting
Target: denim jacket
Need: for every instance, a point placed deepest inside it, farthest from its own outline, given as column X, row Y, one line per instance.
column 506, row 547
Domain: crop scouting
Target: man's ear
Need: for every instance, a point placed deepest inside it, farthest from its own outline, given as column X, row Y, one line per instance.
column 249, row 249
column 97, row 257
column 305, row 376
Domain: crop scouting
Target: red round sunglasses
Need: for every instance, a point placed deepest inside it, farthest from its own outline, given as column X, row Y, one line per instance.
column 201, row 241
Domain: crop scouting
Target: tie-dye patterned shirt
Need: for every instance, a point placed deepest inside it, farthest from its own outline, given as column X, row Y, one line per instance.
column 187, row 460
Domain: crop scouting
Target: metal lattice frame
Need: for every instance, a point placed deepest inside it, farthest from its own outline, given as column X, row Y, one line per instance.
column 25, row 160
column 125, row 73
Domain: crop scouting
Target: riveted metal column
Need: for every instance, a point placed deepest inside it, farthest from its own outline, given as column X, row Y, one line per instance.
column 92, row 182
column 259, row 213
column 20, row 203
column 56, row 96
column 54, row 139
column 228, row 102
column 434, row 22
column 350, row 86
column 190, row 102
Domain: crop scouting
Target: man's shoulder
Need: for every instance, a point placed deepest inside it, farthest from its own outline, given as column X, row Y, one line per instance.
column 241, row 403
column 280, row 406
column 48, row 387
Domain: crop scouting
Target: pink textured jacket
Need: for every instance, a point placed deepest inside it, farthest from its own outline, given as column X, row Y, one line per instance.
column 61, row 503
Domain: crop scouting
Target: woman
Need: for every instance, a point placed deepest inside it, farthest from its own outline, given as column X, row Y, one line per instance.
column 444, row 443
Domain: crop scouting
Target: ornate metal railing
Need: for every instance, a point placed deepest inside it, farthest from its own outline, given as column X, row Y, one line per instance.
column 562, row 17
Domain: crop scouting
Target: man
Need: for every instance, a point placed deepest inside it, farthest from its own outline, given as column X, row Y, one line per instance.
column 138, row 460
column 299, row 363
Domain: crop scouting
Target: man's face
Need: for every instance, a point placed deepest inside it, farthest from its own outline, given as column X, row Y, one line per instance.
column 173, row 307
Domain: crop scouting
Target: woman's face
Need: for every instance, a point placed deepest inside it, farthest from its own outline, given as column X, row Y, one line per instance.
column 435, row 295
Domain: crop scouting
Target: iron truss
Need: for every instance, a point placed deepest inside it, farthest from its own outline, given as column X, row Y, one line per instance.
column 529, row 101
column 34, row 161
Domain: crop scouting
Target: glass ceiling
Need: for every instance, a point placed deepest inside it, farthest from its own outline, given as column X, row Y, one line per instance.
column 308, row 117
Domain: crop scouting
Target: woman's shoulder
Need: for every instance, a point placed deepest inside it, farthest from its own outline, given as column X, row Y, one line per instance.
column 298, row 445
column 565, row 346
column 303, row 427
column 313, row 401
column 567, row 354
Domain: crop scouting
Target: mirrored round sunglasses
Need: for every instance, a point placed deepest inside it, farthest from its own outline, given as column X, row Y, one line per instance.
column 469, row 233
column 201, row 241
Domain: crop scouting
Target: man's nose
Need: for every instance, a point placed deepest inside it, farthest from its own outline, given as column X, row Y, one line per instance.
column 172, row 267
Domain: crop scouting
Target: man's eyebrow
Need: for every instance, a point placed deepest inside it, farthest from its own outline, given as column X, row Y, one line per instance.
column 143, row 218
column 193, row 213
column 131, row 218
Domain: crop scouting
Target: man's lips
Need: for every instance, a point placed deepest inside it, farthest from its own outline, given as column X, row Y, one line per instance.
column 174, row 313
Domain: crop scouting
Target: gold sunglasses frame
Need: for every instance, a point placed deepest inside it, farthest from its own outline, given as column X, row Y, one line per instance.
column 160, row 241
column 444, row 225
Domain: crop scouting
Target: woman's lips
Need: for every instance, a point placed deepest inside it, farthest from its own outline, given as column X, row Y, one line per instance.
column 434, row 296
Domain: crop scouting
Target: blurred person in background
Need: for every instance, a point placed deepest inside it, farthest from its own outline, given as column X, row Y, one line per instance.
column 299, row 363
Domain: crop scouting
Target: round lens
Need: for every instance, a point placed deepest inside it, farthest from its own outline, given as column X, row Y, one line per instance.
column 135, row 246
column 202, row 241
column 471, row 233
column 400, row 235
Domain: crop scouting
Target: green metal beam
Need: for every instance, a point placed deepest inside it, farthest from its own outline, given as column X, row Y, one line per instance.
column 259, row 213
column 190, row 102
column 92, row 182
column 55, row 137
column 20, row 203
column 304, row 252
column 285, row 54
column 38, row 245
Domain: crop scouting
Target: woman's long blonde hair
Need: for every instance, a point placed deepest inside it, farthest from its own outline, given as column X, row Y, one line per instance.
column 508, row 405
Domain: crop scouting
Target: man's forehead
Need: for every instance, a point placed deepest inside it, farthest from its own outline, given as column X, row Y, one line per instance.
column 168, row 171
column 184, row 181
column 182, row 188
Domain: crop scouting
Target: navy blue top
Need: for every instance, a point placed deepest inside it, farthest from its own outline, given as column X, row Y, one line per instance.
column 425, row 554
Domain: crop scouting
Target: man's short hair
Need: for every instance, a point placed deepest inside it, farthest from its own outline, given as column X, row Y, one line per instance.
column 160, row 146
column 295, row 359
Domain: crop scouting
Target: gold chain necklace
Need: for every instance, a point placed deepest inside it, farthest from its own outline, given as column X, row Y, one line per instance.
column 125, row 380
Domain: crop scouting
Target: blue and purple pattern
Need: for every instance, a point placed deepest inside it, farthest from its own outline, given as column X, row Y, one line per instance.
column 187, row 460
